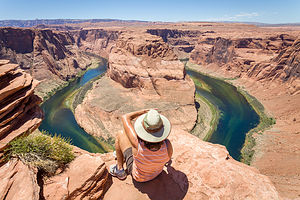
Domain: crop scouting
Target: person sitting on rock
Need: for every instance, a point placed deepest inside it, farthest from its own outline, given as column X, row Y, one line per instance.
column 143, row 146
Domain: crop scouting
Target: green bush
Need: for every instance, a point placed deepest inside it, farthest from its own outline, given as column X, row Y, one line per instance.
column 42, row 151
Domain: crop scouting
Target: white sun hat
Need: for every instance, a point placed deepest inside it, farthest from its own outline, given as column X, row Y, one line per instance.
column 152, row 127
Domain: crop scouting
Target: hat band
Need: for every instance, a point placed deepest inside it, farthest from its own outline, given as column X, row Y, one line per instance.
column 151, row 130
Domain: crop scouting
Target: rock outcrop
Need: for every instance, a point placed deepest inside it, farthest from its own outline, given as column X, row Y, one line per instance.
column 85, row 178
column 146, row 74
column 18, row 181
column 199, row 170
column 19, row 108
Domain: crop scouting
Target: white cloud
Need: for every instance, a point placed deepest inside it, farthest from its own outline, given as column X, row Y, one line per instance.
column 237, row 17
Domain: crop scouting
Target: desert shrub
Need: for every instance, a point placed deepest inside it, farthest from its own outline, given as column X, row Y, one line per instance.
column 42, row 151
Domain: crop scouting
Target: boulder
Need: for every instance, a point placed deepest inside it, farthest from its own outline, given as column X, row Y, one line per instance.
column 85, row 178
column 18, row 181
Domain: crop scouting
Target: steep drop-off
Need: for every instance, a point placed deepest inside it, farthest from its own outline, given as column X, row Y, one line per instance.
column 19, row 108
column 261, row 59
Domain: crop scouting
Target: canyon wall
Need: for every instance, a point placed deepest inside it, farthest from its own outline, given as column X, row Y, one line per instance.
column 19, row 108
column 96, row 41
column 54, row 57
column 261, row 59
column 44, row 53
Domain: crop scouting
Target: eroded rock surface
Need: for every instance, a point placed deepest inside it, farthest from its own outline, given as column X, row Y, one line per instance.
column 17, row 181
column 146, row 74
column 199, row 170
column 96, row 41
column 45, row 54
column 19, row 108
column 85, row 178
column 267, row 58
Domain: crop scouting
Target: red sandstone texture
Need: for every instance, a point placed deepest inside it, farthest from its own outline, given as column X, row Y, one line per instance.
column 43, row 53
column 199, row 170
column 85, row 178
column 18, row 181
column 96, row 41
column 19, row 107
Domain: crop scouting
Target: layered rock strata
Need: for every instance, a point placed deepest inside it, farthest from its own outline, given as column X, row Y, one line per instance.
column 45, row 54
column 146, row 74
column 285, row 67
column 51, row 57
column 96, row 41
column 19, row 108
column 263, row 59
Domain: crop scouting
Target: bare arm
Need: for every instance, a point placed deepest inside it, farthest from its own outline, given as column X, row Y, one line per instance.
column 128, row 127
column 170, row 148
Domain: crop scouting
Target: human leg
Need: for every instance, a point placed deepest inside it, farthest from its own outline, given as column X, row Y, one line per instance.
column 122, row 144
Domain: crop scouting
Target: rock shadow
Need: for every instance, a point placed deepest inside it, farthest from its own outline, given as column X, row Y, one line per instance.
column 171, row 185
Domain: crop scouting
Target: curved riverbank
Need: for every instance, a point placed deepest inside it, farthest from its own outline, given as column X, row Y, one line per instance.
column 265, row 122
column 48, row 88
column 59, row 118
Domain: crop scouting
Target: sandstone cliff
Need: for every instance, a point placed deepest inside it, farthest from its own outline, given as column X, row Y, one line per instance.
column 182, row 41
column 19, row 107
column 258, row 58
column 285, row 67
column 44, row 53
column 96, row 41
column 20, row 114
column 51, row 57
column 84, row 178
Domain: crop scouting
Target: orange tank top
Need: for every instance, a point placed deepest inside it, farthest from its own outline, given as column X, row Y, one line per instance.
column 149, row 164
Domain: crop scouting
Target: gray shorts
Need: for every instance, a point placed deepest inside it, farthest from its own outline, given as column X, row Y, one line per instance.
column 128, row 159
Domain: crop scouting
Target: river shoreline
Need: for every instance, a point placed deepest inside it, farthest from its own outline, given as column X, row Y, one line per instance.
column 265, row 122
column 48, row 88
column 59, row 118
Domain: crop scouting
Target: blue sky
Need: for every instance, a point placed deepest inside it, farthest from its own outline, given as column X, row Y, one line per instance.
column 267, row 11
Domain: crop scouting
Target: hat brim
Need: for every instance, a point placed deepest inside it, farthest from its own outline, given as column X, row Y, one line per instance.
column 158, row 136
